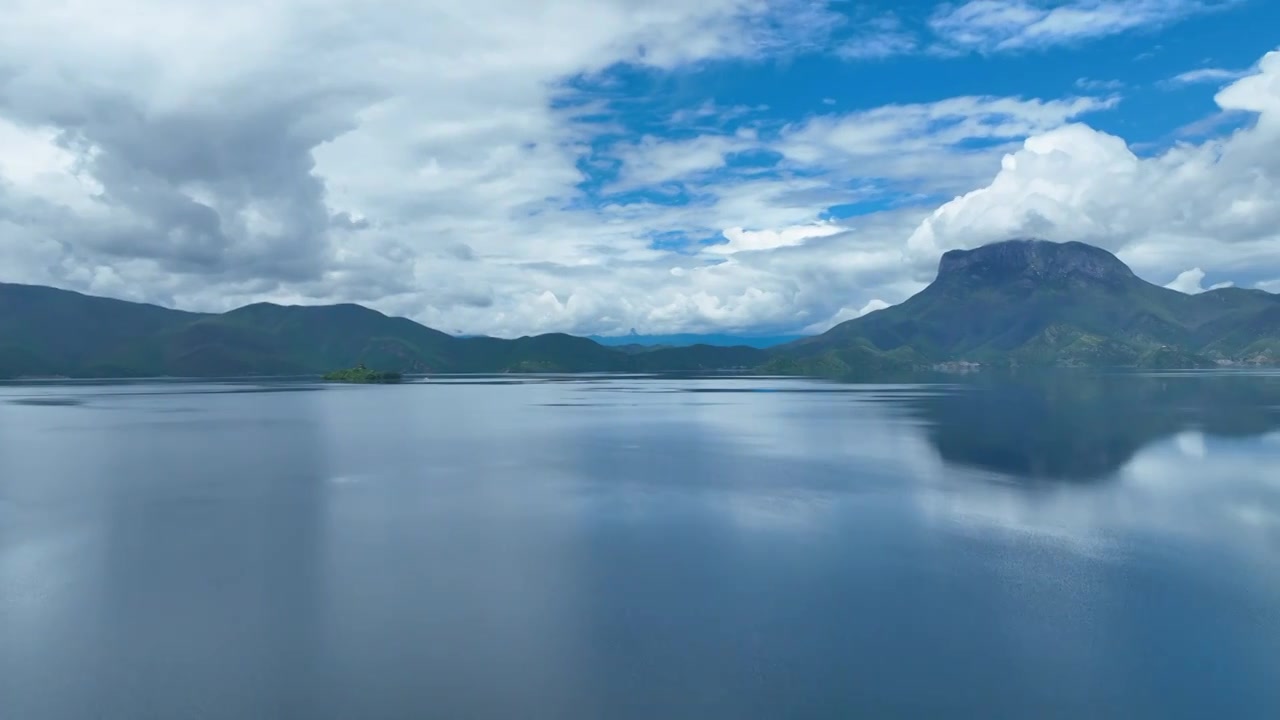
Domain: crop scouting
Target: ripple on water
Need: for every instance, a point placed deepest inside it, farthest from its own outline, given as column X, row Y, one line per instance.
column 48, row 401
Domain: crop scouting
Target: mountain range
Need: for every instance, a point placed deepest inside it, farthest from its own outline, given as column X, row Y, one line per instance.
column 1024, row 302
column 637, row 341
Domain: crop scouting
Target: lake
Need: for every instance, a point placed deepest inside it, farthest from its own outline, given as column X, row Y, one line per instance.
column 1063, row 546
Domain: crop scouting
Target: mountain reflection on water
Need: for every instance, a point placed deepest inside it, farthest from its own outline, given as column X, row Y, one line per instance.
column 1087, row 425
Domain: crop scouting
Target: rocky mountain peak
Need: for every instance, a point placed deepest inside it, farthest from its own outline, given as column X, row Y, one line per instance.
column 1032, row 258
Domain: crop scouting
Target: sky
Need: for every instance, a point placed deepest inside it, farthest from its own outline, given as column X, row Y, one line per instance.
column 507, row 167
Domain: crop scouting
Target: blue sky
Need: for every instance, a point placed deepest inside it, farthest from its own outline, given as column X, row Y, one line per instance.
column 1139, row 68
column 594, row 166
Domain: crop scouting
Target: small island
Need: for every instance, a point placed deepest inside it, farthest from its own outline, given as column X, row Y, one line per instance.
column 361, row 374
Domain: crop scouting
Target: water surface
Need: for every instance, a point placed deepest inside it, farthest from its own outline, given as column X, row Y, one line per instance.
column 603, row 547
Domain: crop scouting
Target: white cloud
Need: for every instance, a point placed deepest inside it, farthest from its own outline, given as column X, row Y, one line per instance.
column 845, row 314
column 34, row 164
column 710, row 115
column 1092, row 84
column 741, row 240
column 920, row 144
column 1207, row 75
column 652, row 161
column 1190, row 282
column 880, row 37
column 1004, row 25
column 932, row 125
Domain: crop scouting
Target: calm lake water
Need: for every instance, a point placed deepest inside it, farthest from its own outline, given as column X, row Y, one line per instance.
column 1077, row 546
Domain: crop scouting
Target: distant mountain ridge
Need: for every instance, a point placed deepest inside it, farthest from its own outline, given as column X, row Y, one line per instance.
column 50, row 332
column 636, row 340
column 1023, row 302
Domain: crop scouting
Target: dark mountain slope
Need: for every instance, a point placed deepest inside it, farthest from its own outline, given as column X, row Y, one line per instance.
column 553, row 352
column 1041, row 303
column 267, row 339
column 688, row 339
column 699, row 358
column 1247, row 326
column 44, row 331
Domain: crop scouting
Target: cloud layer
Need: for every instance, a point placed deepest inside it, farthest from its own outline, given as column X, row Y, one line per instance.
column 468, row 166
column 1208, row 205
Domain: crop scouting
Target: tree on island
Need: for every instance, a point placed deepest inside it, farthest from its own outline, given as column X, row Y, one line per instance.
column 362, row 374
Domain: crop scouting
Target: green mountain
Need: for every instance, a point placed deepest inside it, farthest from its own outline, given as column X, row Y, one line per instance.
column 1015, row 303
column 1039, row 303
column 44, row 331
column 48, row 332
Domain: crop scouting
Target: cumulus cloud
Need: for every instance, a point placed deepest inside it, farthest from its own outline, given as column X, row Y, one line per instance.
column 214, row 153
column 1190, row 282
column 1192, row 204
